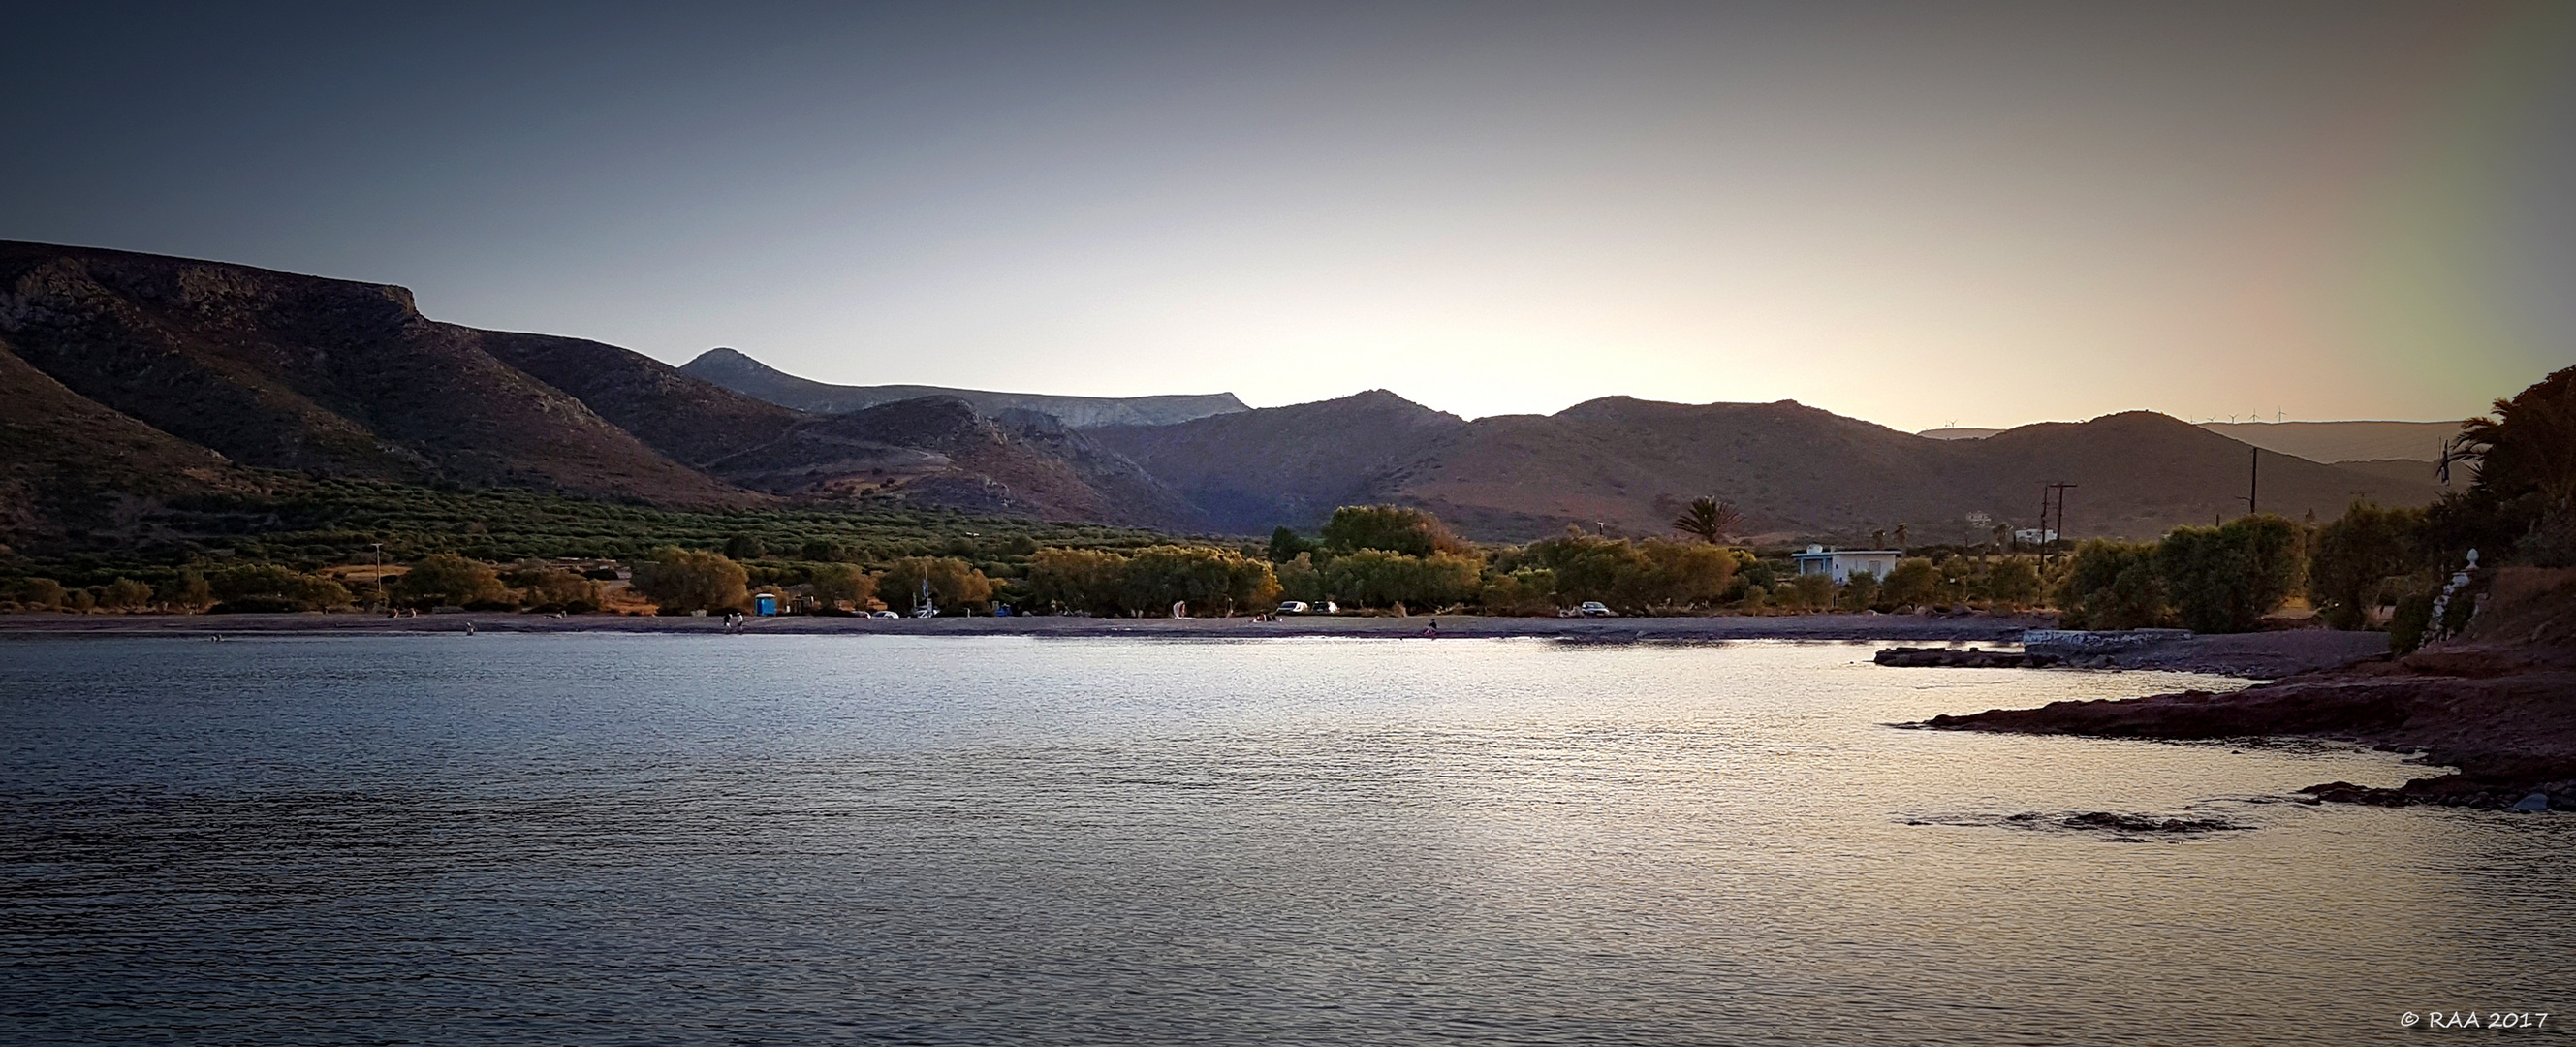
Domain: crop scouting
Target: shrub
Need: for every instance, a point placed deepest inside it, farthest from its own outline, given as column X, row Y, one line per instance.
column 269, row 587
column 561, row 590
column 1808, row 592
column 2225, row 579
column 1383, row 578
column 188, row 591
column 745, row 547
column 446, row 579
column 2112, row 585
column 1913, row 583
column 685, row 580
column 954, row 584
column 1285, row 545
column 2354, row 558
column 125, row 594
column 1529, row 590
column 1085, row 580
column 1222, row 580
column 40, row 594
column 1392, row 528
column 1860, row 591
column 838, row 583
column 2014, row 582
column 1301, row 579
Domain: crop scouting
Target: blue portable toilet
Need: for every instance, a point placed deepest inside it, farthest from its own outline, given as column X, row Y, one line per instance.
column 764, row 604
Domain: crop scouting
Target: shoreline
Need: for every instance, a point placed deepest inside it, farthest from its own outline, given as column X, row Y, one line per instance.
column 2497, row 702
column 1968, row 629
column 2258, row 656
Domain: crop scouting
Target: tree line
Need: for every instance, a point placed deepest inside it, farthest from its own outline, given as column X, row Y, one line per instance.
column 2372, row 567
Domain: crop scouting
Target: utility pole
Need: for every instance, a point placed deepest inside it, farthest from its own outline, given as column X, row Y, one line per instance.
column 2052, row 495
column 2060, row 490
column 2254, row 482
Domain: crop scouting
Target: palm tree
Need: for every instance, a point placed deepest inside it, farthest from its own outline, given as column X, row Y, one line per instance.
column 1712, row 520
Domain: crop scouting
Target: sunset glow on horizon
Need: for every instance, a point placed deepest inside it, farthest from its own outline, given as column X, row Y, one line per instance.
column 1987, row 214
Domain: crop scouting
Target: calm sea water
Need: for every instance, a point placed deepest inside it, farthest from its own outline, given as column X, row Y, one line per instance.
column 599, row 839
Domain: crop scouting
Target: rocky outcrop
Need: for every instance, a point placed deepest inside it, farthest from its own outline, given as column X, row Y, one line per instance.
column 2499, row 703
column 1956, row 658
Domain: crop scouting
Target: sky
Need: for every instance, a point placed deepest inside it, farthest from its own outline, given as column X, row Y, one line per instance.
column 1916, row 213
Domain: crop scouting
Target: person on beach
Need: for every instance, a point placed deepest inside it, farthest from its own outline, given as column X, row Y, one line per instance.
column 1432, row 631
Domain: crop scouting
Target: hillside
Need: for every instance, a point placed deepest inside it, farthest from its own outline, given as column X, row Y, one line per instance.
column 131, row 380
column 1796, row 471
column 108, row 471
column 2333, row 442
column 133, row 375
column 1252, row 470
column 742, row 374
column 304, row 373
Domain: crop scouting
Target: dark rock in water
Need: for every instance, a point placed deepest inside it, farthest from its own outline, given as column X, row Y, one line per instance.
column 1951, row 658
column 2533, row 802
column 2132, row 823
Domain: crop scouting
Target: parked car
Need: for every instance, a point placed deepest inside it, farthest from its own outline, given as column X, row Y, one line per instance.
column 1292, row 607
column 883, row 614
column 1595, row 609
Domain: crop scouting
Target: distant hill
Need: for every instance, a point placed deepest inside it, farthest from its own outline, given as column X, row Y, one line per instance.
column 1796, row 471
column 131, row 378
column 742, row 374
column 2328, row 442
column 2343, row 441
column 129, row 381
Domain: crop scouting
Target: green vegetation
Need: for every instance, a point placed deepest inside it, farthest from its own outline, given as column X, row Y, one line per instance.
column 1712, row 521
column 1634, row 577
column 1390, row 528
column 308, row 525
column 953, row 584
column 2356, row 564
column 685, row 580
column 448, row 580
column 1209, row 580
column 270, row 587
column 294, row 547
column 2222, row 579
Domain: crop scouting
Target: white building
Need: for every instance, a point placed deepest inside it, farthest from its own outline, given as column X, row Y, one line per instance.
column 1841, row 564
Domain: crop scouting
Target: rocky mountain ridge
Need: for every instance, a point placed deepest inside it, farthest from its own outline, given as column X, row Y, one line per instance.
column 129, row 378
column 733, row 370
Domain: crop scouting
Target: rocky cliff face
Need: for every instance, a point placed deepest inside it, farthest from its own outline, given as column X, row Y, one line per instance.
column 2499, row 703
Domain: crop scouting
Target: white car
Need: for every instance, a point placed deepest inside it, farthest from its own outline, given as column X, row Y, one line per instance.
column 1595, row 609
column 1291, row 607
column 883, row 614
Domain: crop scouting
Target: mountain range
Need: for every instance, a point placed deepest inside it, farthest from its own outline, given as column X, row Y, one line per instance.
column 127, row 380
column 2335, row 443
column 742, row 374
